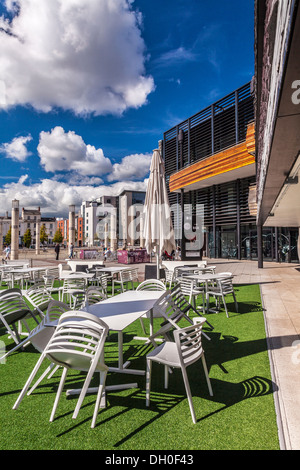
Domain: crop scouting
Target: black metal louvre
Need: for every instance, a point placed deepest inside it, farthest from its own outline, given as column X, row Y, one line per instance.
column 217, row 127
column 226, row 203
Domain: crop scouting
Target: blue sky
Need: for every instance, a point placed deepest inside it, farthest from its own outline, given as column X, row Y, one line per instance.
column 87, row 88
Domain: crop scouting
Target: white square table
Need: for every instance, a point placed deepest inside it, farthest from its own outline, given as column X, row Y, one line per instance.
column 118, row 313
column 205, row 279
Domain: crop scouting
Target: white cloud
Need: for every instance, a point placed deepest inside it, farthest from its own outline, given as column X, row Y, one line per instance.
column 87, row 56
column 132, row 167
column 66, row 151
column 54, row 197
column 16, row 149
column 176, row 56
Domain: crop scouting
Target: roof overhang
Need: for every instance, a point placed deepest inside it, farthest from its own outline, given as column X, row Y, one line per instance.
column 286, row 210
column 278, row 197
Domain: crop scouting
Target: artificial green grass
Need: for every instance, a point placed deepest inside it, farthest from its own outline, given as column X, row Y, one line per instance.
column 240, row 415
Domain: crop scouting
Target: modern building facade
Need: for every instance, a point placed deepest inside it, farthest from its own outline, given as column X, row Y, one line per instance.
column 277, row 97
column 210, row 169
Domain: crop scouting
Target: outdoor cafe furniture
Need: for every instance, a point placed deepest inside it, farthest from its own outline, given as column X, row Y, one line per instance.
column 70, row 285
column 83, row 298
column 77, row 343
column 186, row 350
column 122, row 310
column 40, row 335
column 217, row 285
column 14, row 309
column 150, row 284
column 186, row 270
column 180, row 300
column 190, row 288
column 173, row 307
column 171, row 265
column 39, row 297
column 27, row 275
column 221, row 289
column 75, row 263
column 127, row 277
column 117, row 312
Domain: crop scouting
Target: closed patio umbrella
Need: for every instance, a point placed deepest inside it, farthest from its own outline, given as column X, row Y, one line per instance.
column 158, row 227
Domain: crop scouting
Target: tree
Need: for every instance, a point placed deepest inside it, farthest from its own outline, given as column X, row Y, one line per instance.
column 27, row 238
column 43, row 234
column 8, row 236
column 58, row 236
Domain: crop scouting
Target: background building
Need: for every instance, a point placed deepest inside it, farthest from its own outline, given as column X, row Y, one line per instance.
column 63, row 225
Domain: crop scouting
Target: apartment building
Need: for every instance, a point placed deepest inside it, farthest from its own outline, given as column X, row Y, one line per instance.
column 63, row 225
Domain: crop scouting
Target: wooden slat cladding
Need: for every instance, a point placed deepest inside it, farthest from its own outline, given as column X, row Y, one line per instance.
column 230, row 159
column 252, row 200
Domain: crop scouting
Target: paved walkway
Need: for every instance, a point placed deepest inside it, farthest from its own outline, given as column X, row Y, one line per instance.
column 280, row 289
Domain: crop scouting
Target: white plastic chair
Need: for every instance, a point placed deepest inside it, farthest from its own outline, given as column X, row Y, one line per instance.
column 189, row 287
column 150, row 284
column 14, row 309
column 186, row 350
column 81, row 299
column 71, row 285
column 166, row 308
column 181, row 302
column 127, row 276
column 102, row 282
column 94, row 295
column 169, row 275
column 41, row 334
column 52, row 275
column 77, row 343
column 220, row 289
column 39, row 297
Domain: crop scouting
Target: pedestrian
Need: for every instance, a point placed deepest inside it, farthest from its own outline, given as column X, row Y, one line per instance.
column 71, row 250
column 7, row 252
column 57, row 250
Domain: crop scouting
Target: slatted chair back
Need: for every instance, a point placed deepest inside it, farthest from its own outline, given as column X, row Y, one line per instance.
column 103, row 282
column 151, row 284
column 94, row 295
column 13, row 309
column 39, row 297
column 71, row 285
column 77, row 343
column 129, row 275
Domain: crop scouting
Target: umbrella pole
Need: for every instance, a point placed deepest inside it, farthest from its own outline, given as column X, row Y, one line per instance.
column 157, row 263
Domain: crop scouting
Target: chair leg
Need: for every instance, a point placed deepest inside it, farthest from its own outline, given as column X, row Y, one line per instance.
column 58, row 394
column 225, row 306
column 148, row 381
column 99, row 396
column 143, row 326
column 235, row 301
column 29, row 380
column 84, row 390
column 166, row 376
column 206, row 375
column 189, row 395
column 40, row 379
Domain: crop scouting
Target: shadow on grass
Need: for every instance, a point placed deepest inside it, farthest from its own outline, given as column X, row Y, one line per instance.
column 226, row 393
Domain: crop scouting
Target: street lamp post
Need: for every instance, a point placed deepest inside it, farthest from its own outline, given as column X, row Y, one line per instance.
column 15, row 230
column 71, row 225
